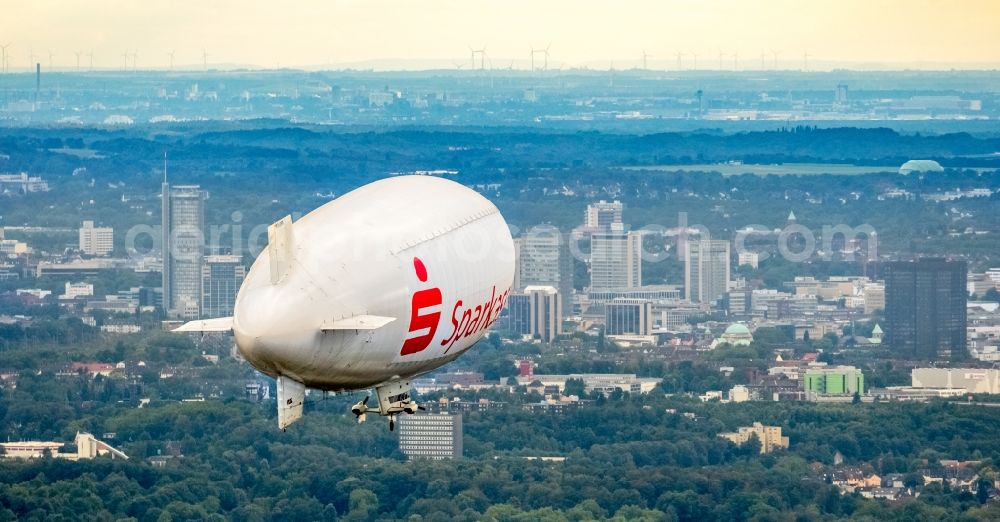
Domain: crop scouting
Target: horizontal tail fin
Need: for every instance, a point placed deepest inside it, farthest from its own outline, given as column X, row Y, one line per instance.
column 219, row 324
column 358, row 322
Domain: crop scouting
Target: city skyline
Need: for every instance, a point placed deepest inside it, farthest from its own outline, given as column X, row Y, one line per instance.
column 600, row 261
column 449, row 35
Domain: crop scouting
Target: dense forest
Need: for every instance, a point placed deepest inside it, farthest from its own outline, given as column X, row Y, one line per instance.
column 627, row 458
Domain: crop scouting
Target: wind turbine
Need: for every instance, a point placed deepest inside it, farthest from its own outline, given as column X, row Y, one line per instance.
column 51, row 55
column 722, row 56
column 3, row 63
column 125, row 58
column 805, row 61
column 171, row 54
column 775, row 52
column 695, row 56
column 645, row 57
column 135, row 61
column 545, row 56
column 204, row 59
column 482, row 58
column 91, row 56
column 679, row 55
column 31, row 58
column 736, row 60
column 762, row 59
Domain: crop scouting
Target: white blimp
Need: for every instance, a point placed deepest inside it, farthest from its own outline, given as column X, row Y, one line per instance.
column 382, row 284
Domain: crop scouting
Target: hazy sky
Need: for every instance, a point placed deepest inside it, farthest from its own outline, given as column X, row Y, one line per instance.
column 962, row 33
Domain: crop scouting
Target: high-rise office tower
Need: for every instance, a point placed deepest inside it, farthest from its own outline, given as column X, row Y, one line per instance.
column 183, row 244
column 840, row 97
column 221, row 280
column 615, row 259
column 602, row 215
column 518, row 312
column 543, row 259
column 545, row 308
column 706, row 270
column 431, row 435
column 96, row 241
column 925, row 304
column 628, row 317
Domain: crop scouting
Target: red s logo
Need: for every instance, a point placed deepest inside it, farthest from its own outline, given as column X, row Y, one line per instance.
column 423, row 326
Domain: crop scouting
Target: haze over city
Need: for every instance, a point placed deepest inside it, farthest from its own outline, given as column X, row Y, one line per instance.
column 818, row 35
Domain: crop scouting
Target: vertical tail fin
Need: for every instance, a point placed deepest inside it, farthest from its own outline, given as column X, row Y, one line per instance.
column 280, row 248
column 291, row 396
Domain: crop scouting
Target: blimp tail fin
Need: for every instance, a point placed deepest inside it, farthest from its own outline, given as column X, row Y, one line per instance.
column 358, row 322
column 219, row 324
column 291, row 397
column 280, row 248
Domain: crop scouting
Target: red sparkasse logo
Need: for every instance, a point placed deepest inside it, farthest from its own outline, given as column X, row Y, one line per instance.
column 424, row 323
column 425, row 315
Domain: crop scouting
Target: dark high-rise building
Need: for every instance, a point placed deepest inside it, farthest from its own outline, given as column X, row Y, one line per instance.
column 925, row 307
column 519, row 313
column 628, row 317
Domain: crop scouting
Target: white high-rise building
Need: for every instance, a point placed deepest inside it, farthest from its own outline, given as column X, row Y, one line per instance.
column 538, row 258
column 706, row 270
column 431, row 435
column 183, row 249
column 874, row 295
column 545, row 309
column 96, row 241
column 601, row 215
column 222, row 277
column 751, row 259
column 74, row 290
column 615, row 259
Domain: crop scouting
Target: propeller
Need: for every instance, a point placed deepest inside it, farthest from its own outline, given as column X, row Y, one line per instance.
column 360, row 409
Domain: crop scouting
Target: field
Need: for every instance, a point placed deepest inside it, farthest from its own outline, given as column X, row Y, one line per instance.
column 802, row 169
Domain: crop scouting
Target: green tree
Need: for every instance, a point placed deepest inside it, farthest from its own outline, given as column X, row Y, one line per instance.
column 574, row 387
column 363, row 504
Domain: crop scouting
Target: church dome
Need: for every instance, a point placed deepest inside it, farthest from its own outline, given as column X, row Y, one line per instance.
column 923, row 165
column 736, row 335
column 737, row 329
